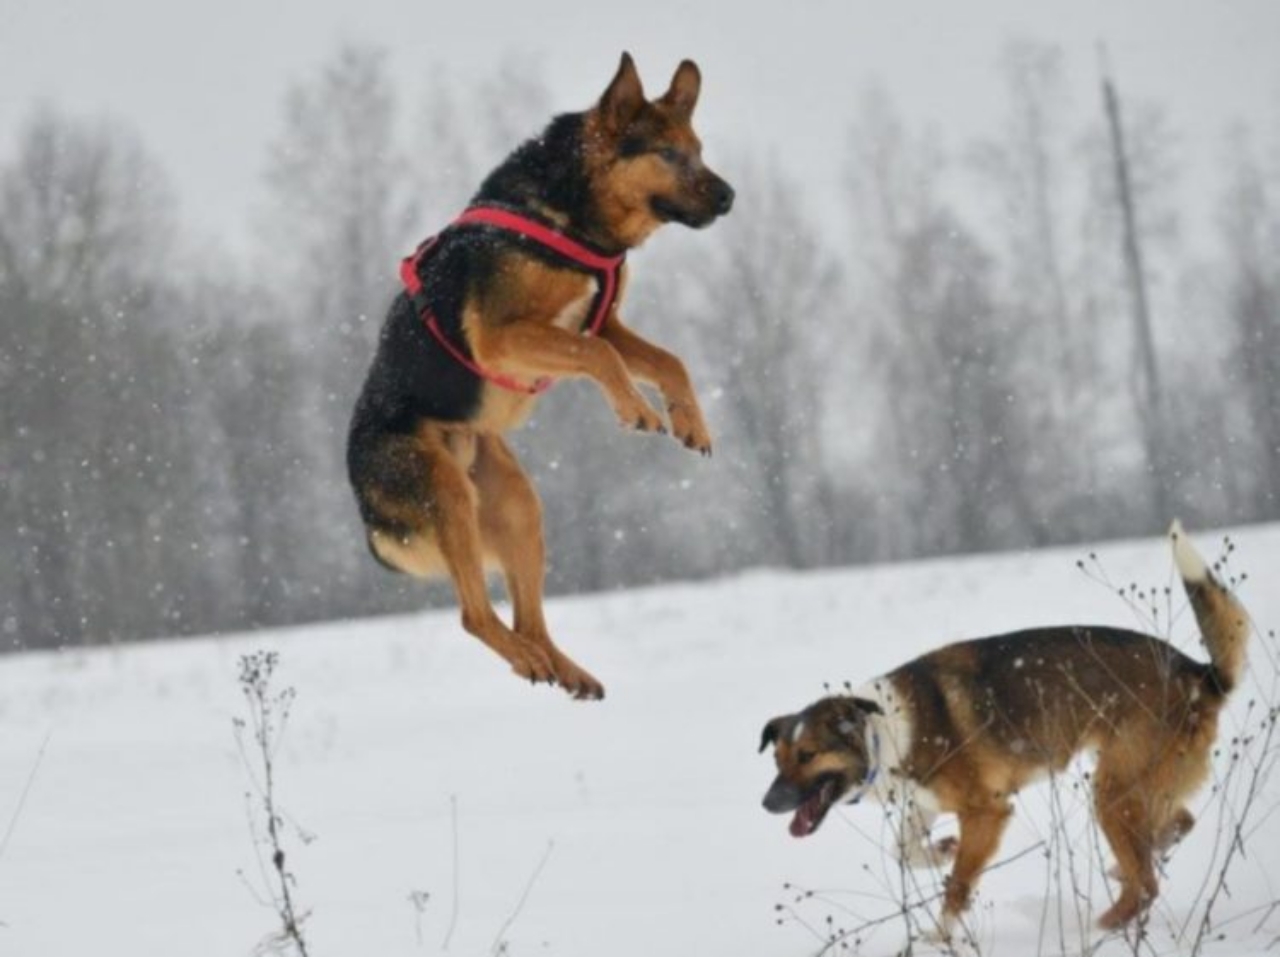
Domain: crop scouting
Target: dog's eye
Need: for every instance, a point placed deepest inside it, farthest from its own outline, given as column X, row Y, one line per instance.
column 804, row 757
column 671, row 155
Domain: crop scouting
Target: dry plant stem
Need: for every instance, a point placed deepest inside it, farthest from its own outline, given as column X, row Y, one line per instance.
column 1235, row 846
column 418, row 900
column 265, row 709
column 1060, row 855
column 22, row 800
column 26, row 790
column 918, row 908
column 498, row 941
column 453, row 914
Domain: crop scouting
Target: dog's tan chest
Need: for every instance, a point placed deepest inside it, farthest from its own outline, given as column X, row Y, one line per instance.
column 529, row 290
column 574, row 314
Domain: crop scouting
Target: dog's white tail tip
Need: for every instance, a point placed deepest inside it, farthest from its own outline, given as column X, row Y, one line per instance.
column 1191, row 566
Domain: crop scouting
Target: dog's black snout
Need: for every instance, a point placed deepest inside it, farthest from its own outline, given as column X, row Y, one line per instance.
column 722, row 196
column 782, row 796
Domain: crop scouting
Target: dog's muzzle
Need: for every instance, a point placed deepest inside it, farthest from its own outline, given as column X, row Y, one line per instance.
column 722, row 196
column 782, row 796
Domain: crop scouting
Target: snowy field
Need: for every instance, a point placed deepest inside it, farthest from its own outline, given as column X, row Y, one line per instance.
column 135, row 829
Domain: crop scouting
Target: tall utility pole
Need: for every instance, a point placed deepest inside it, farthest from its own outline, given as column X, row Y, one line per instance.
column 1150, row 402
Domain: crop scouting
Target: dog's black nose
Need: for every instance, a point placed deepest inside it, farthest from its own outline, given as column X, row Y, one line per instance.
column 722, row 197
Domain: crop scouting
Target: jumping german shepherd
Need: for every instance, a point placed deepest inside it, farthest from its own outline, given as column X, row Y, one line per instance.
column 962, row 729
column 495, row 308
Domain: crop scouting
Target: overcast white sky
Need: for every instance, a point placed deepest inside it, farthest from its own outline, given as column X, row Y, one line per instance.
column 203, row 81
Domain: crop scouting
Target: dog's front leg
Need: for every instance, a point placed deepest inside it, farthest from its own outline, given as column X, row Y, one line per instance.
column 657, row 367
column 536, row 349
column 981, row 826
column 916, row 849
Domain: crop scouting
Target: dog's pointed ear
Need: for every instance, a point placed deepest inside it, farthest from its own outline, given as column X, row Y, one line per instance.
column 624, row 97
column 773, row 730
column 682, row 96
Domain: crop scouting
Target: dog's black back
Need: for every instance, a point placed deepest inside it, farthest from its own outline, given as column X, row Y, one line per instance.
column 413, row 377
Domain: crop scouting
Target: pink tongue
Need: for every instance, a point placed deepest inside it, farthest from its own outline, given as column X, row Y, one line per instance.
column 802, row 824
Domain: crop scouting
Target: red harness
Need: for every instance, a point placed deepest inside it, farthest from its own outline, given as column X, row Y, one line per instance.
column 606, row 269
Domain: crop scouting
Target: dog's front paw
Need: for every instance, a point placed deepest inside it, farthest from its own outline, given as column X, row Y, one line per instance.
column 688, row 426
column 634, row 412
column 942, row 933
column 1128, row 908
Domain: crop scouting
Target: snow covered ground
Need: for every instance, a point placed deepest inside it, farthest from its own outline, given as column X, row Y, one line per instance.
column 135, row 829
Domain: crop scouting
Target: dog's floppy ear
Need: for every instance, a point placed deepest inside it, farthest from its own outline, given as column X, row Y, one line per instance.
column 774, row 729
column 682, row 97
column 867, row 705
column 852, row 714
column 624, row 97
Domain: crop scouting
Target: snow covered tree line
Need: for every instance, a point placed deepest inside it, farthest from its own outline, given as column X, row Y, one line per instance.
column 941, row 361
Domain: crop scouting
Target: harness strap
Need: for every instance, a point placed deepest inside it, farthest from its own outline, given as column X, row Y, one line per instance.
column 606, row 268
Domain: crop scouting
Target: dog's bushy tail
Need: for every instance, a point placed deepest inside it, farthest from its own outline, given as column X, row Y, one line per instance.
column 1224, row 624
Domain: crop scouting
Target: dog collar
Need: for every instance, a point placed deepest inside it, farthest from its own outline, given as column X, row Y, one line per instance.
column 606, row 268
column 870, row 779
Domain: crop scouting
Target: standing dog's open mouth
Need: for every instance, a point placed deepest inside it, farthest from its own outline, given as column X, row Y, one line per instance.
column 812, row 809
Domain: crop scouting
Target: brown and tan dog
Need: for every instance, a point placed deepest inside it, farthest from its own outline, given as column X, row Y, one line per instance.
column 961, row 729
column 494, row 313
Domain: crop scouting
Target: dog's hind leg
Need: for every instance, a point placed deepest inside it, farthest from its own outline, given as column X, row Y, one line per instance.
column 1124, row 813
column 511, row 529
column 1183, row 771
column 455, row 522
column 1177, row 826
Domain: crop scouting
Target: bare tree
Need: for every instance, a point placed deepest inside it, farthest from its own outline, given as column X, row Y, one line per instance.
column 1027, row 169
column 1250, row 222
column 337, row 221
column 893, row 181
column 339, row 212
column 87, row 212
column 775, row 325
column 459, row 136
column 1150, row 406
column 1024, row 167
column 952, row 377
column 84, row 235
column 950, row 359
